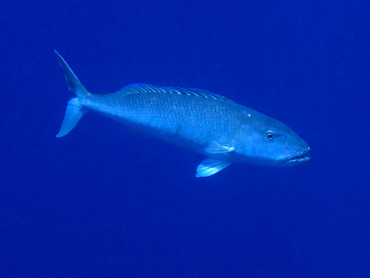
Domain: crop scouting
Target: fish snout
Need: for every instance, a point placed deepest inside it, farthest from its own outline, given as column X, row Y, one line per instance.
column 302, row 156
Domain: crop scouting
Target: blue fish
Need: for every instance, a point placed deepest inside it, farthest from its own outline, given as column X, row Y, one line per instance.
column 198, row 120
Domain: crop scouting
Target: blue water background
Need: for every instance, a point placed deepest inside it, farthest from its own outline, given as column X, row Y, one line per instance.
column 103, row 202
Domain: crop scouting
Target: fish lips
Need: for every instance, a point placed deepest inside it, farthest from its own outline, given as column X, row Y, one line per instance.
column 303, row 156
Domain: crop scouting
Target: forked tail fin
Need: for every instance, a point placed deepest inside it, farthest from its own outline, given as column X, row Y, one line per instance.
column 75, row 110
column 73, row 115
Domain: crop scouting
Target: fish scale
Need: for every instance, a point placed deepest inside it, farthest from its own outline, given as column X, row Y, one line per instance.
column 182, row 115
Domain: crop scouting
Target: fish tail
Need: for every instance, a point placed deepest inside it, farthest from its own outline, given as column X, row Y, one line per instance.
column 75, row 108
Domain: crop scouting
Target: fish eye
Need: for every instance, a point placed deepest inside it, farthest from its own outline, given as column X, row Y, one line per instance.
column 270, row 135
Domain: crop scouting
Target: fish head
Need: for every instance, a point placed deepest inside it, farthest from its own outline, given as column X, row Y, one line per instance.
column 270, row 142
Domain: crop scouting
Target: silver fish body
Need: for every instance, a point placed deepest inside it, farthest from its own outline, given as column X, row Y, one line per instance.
column 196, row 119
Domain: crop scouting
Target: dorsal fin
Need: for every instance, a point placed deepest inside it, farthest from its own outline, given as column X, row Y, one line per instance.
column 139, row 88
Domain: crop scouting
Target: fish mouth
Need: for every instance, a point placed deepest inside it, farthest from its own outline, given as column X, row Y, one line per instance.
column 301, row 157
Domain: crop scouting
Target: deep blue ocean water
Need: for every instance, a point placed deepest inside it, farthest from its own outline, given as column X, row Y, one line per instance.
column 103, row 202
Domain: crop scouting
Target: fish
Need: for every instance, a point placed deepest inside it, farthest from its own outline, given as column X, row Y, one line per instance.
column 195, row 119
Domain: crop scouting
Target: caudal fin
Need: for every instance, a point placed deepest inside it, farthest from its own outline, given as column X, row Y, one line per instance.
column 74, row 113
column 75, row 110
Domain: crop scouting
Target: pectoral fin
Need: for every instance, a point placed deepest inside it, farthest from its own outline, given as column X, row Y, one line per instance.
column 210, row 166
column 217, row 148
